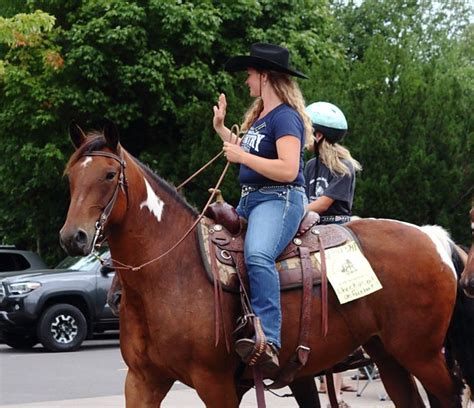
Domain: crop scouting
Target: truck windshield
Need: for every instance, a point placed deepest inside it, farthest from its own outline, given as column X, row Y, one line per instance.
column 87, row 262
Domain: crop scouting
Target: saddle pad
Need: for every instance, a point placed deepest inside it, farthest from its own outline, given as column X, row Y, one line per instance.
column 289, row 268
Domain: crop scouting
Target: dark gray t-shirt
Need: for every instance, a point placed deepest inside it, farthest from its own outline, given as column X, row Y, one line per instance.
column 320, row 181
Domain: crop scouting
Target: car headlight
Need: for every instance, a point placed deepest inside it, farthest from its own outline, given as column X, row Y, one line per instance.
column 22, row 287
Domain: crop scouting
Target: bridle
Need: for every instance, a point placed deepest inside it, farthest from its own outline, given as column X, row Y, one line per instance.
column 99, row 237
column 121, row 184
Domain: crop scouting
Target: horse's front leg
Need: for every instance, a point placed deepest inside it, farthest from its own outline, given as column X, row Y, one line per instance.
column 216, row 389
column 141, row 392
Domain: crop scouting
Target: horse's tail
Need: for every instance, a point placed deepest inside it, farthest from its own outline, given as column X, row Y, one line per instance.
column 460, row 338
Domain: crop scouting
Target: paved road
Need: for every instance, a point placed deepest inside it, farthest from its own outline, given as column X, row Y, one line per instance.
column 37, row 375
column 94, row 376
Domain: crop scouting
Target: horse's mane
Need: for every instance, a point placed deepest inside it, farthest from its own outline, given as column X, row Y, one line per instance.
column 168, row 187
column 96, row 141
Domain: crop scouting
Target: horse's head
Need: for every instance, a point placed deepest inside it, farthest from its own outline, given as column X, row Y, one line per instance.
column 467, row 277
column 97, row 186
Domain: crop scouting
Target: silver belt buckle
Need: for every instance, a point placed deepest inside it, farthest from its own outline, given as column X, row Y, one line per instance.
column 245, row 191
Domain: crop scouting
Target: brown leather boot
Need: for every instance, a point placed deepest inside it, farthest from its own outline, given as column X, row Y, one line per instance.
column 268, row 360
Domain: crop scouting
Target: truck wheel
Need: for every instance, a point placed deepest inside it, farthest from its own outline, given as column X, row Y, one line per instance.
column 62, row 327
column 19, row 342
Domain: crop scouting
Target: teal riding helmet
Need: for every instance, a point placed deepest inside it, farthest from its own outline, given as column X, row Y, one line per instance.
column 327, row 119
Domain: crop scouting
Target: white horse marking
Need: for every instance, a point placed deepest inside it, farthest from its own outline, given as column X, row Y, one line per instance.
column 441, row 240
column 86, row 162
column 153, row 202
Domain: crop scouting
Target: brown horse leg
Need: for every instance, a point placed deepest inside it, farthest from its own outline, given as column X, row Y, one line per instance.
column 443, row 389
column 305, row 392
column 216, row 390
column 398, row 382
column 140, row 393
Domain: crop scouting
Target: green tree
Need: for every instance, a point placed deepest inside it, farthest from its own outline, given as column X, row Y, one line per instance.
column 406, row 87
column 155, row 68
column 28, row 160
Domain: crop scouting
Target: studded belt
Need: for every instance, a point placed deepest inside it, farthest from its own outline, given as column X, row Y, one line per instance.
column 247, row 189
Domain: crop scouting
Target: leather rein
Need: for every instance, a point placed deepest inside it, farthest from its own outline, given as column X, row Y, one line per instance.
column 99, row 236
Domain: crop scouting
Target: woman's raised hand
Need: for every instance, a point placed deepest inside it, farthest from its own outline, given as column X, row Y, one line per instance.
column 219, row 113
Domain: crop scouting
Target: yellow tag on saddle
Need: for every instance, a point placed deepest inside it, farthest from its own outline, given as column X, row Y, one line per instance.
column 349, row 272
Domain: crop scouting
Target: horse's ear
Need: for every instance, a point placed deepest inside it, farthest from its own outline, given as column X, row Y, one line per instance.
column 76, row 134
column 111, row 134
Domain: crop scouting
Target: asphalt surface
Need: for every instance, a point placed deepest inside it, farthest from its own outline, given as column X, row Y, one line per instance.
column 94, row 376
column 183, row 397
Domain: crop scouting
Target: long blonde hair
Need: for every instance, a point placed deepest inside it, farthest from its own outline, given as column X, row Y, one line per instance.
column 333, row 154
column 289, row 93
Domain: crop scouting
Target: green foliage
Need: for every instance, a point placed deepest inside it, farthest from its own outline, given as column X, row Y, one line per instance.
column 30, row 159
column 25, row 29
column 401, row 71
column 405, row 87
column 155, row 68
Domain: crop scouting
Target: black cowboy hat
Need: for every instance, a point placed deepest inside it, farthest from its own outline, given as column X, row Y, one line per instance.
column 264, row 56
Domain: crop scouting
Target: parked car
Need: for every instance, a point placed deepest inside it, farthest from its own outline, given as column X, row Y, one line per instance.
column 14, row 261
column 58, row 307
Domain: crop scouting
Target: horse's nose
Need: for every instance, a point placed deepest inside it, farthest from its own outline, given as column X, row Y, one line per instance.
column 75, row 243
column 80, row 237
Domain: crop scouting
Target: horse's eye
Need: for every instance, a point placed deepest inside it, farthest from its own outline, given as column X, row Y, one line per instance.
column 110, row 175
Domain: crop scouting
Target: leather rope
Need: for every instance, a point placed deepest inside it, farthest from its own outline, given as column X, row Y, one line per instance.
column 303, row 349
column 324, row 288
column 236, row 127
column 195, row 223
column 200, row 170
column 331, row 389
column 218, row 297
column 260, row 339
column 300, row 357
column 259, row 387
column 120, row 265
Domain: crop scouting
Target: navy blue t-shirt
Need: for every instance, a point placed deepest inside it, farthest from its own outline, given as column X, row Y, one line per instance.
column 261, row 139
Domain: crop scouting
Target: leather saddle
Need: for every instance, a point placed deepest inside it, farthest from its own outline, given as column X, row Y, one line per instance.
column 221, row 237
column 222, row 233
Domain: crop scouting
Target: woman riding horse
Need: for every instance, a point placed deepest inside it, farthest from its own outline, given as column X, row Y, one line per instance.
column 167, row 325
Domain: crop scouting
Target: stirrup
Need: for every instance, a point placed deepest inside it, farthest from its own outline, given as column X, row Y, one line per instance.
column 267, row 358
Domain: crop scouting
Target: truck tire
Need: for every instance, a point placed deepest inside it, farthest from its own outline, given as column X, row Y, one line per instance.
column 19, row 342
column 62, row 327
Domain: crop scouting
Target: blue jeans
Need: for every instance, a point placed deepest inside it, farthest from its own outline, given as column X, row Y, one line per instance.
column 273, row 215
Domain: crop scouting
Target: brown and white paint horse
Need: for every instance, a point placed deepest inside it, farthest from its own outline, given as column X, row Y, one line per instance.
column 167, row 307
